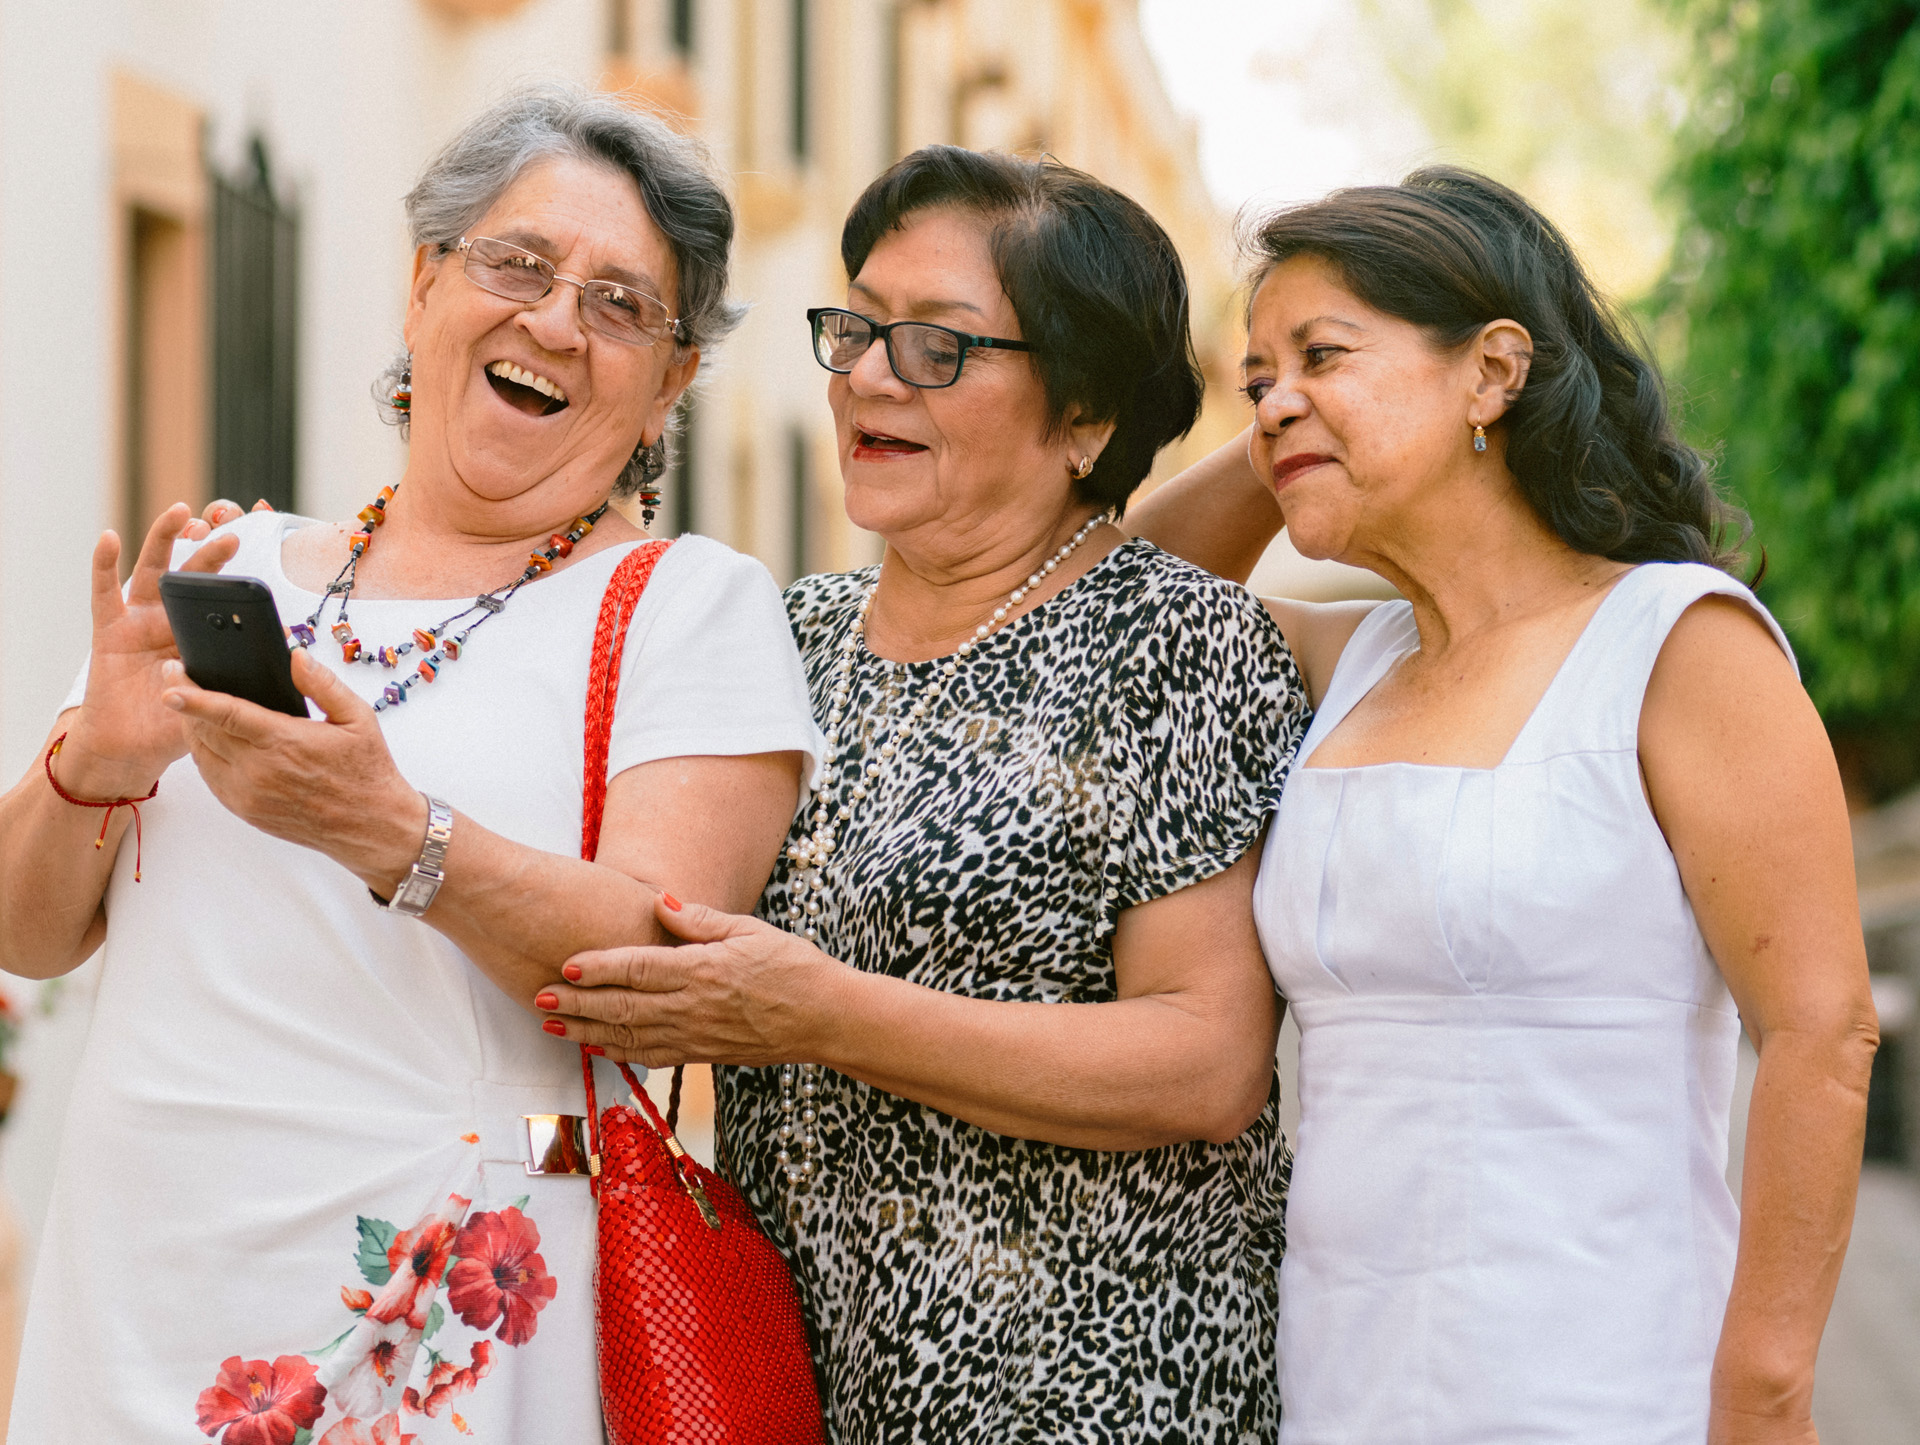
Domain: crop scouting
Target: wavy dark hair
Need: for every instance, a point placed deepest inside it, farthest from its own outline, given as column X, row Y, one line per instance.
column 1097, row 285
column 1590, row 439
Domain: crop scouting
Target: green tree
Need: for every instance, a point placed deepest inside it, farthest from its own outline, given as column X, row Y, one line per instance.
column 1794, row 295
column 1572, row 103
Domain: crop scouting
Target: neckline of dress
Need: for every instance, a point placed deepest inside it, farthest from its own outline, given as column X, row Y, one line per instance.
column 1006, row 628
column 291, row 523
column 1386, row 662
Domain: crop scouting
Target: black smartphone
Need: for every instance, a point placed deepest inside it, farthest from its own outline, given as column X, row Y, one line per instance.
column 230, row 638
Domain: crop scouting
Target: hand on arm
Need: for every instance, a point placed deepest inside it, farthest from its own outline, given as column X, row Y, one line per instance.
column 118, row 742
column 706, row 827
column 1742, row 780
column 1186, row 1052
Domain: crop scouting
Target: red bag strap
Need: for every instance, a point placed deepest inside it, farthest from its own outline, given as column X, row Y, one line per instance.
column 629, row 580
column 622, row 596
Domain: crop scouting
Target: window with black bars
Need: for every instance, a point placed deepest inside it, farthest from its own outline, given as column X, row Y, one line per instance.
column 800, row 116
column 683, row 496
column 800, row 491
column 255, row 285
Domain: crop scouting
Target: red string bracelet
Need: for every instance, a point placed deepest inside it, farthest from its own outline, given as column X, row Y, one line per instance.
column 106, row 822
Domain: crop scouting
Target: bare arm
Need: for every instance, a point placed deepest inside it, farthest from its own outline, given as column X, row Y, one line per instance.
column 708, row 828
column 119, row 740
column 1217, row 514
column 1743, row 782
column 1185, row 1053
column 1317, row 633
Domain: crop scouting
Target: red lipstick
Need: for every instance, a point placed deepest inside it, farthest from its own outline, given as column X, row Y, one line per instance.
column 1287, row 468
column 871, row 446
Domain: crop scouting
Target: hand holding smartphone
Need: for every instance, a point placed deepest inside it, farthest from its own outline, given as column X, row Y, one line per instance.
column 231, row 640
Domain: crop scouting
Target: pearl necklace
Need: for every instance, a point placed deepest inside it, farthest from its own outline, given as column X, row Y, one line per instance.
column 834, row 805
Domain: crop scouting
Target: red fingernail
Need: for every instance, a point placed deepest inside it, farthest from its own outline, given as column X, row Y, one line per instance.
column 571, row 973
column 596, row 1049
column 555, row 1027
column 670, row 901
column 547, row 1001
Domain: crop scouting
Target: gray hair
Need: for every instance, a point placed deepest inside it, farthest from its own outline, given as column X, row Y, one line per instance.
column 674, row 173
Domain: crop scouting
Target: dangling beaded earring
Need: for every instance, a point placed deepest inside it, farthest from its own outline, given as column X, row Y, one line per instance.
column 1479, row 438
column 653, row 466
column 402, row 398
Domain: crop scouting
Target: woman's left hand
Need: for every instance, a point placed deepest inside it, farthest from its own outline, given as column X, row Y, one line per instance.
column 327, row 785
column 737, row 991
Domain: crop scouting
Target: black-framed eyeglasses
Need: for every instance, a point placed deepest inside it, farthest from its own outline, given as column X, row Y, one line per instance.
column 920, row 353
column 613, row 310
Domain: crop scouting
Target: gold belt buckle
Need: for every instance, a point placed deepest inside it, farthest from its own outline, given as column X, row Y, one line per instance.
column 556, row 1143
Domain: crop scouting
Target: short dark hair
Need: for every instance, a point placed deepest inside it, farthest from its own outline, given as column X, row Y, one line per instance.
column 1097, row 285
column 1590, row 439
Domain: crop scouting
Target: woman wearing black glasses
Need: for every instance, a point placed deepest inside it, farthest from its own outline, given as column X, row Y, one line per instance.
column 1007, row 1092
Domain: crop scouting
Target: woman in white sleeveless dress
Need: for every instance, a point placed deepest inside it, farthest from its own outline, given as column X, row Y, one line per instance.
column 1564, row 822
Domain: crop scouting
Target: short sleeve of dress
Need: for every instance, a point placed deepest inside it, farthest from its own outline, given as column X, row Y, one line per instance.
column 1206, row 728
column 710, row 666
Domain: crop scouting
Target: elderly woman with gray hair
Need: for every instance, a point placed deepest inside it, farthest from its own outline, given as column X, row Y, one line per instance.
column 293, row 1200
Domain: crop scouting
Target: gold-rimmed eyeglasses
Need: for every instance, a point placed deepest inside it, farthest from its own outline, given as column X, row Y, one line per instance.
column 620, row 312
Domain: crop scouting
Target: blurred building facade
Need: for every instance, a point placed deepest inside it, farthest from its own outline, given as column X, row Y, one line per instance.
column 205, row 259
column 203, row 266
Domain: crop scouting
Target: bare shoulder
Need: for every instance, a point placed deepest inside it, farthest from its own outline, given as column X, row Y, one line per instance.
column 1725, row 726
column 1317, row 633
column 1719, row 657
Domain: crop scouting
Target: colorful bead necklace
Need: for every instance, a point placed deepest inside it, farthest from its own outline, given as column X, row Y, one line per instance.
column 437, row 645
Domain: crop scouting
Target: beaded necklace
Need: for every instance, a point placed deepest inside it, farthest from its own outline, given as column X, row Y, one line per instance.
column 833, row 805
column 439, row 644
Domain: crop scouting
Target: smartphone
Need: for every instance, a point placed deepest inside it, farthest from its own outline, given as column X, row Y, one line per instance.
column 230, row 638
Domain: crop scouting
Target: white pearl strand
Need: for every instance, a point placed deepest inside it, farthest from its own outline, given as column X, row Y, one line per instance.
column 810, row 854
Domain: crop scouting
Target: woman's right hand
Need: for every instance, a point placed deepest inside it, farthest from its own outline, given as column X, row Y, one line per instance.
column 123, row 737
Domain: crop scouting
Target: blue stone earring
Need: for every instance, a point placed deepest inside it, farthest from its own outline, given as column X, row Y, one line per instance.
column 1479, row 438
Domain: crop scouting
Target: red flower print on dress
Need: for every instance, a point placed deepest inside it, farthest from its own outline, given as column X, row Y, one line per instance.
column 384, row 1431
column 261, row 1404
column 444, row 1382
column 374, row 1355
column 418, row 1257
column 498, row 1276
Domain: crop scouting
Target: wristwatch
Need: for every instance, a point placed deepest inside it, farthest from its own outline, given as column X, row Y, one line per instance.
column 423, row 880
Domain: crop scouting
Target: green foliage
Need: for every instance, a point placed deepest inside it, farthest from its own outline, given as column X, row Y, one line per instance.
column 1572, row 103
column 1796, row 289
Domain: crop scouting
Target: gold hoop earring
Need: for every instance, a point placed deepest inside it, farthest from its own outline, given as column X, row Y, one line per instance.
column 1479, row 438
column 1081, row 472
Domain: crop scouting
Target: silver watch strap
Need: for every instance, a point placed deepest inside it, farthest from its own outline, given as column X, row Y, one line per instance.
column 423, row 880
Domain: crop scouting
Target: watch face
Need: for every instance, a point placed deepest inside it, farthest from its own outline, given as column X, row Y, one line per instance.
column 416, row 892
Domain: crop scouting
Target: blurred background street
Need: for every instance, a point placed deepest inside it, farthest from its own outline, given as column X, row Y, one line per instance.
column 203, row 267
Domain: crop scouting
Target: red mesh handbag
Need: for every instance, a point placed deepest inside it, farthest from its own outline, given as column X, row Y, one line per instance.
column 699, row 1327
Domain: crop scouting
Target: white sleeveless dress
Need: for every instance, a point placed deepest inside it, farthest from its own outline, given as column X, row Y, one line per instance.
column 1509, row 1219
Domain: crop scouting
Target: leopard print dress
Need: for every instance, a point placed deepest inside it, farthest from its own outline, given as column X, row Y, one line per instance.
column 1123, row 740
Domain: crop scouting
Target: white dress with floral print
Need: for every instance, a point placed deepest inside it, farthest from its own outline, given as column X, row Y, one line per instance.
column 292, row 1203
